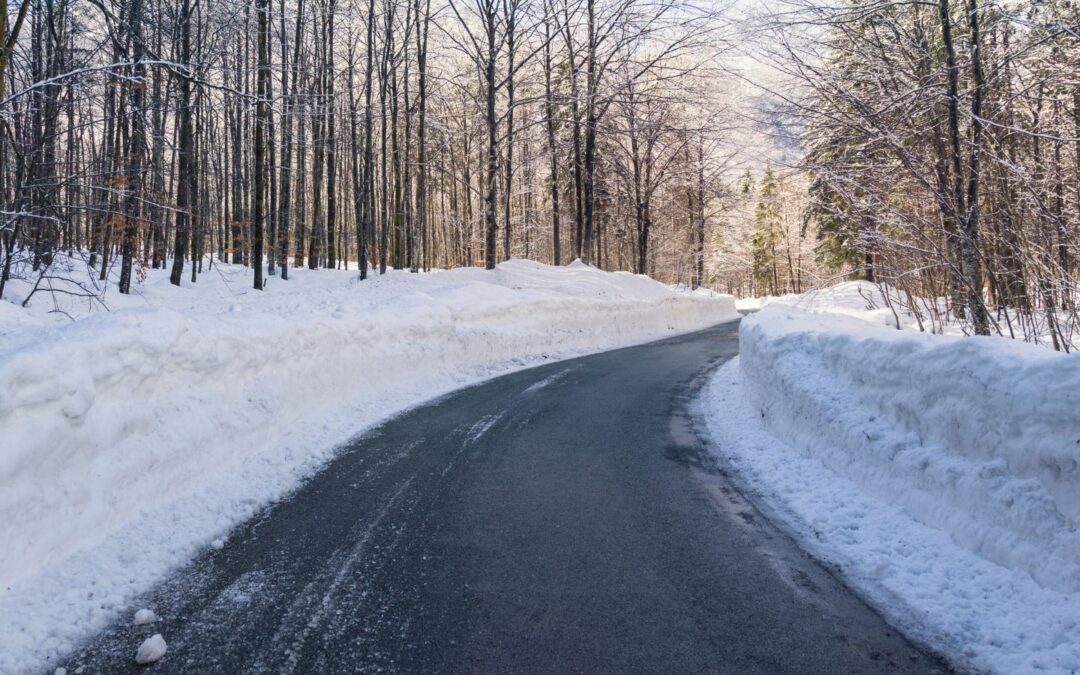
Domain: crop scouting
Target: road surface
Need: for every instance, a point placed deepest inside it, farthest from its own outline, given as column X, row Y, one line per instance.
column 559, row 519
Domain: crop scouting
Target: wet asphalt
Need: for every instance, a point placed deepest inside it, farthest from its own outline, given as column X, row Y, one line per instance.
column 560, row 519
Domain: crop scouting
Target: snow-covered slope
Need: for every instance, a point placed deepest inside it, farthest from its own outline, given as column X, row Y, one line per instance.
column 941, row 473
column 887, row 305
column 861, row 299
column 133, row 437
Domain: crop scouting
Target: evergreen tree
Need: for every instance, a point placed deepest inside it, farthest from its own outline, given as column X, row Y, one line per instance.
column 766, row 233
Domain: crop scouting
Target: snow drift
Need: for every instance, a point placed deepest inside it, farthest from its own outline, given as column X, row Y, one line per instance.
column 977, row 437
column 131, row 438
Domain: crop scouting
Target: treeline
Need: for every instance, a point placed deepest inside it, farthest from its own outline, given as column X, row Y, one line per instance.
column 944, row 153
column 352, row 133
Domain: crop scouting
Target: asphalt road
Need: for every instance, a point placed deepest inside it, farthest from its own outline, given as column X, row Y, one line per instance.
column 560, row 519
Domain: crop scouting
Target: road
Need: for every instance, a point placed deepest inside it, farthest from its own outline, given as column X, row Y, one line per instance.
column 564, row 518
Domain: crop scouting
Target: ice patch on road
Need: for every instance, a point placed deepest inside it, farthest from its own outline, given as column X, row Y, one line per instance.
column 477, row 430
column 537, row 386
column 242, row 590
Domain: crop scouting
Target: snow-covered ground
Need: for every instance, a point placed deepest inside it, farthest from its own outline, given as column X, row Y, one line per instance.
column 132, row 438
column 860, row 299
column 848, row 297
column 886, row 305
column 940, row 474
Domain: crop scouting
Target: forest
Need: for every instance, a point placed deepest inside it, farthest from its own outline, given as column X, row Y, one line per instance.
column 943, row 156
column 145, row 134
column 754, row 148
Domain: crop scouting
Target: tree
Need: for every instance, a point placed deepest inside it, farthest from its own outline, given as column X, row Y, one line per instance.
column 767, row 235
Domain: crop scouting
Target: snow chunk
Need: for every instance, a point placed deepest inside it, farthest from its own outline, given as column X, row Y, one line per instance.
column 144, row 616
column 151, row 650
column 217, row 544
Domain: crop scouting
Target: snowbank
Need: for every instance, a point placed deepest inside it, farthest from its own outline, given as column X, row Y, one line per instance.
column 134, row 437
column 942, row 473
column 978, row 437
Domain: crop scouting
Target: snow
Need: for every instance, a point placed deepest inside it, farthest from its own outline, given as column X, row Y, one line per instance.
column 151, row 650
column 886, row 305
column 939, row 474
column 135, row 437
column 860, row 299
column 144, row 616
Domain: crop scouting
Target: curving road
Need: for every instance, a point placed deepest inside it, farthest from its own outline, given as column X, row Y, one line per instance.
column 559, row 519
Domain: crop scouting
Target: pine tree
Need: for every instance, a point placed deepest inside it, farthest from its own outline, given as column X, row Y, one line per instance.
column 766, row 234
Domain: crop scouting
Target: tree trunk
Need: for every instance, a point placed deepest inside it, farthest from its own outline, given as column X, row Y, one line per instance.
column 262, row 119
column 331, row 155
column 185, row 200
column 136, row 144
column 549, row 113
